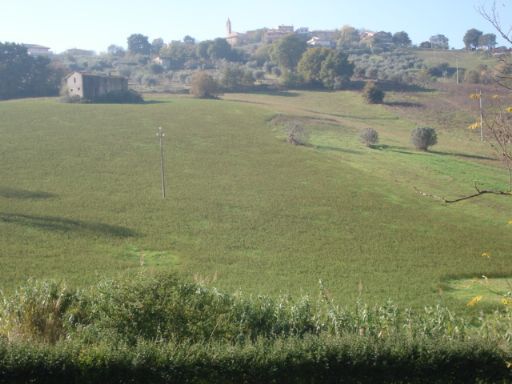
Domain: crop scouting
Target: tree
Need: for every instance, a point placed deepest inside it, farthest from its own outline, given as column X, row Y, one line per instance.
column 373, row 94
column 156, row 46
column 177, row 53
column 369, row 137
column 189, row 40
column 115, row 50
column 336, row 69
column 382, row 39
column 310, row 65
column 203, row 86
column 471, row 38
column 287, row 52
column 487, row 40
column 349, row 37
column 234, row 77
column 220, row 49
column 426, row 45
column 401, row 39
column 296, row 133
column 22, row 75
column 423, row 137
column 202, row 49
column 439, row 42
column 138, row 44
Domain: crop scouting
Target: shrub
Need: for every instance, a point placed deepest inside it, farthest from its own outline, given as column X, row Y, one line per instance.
column 120, row 97
column 156, row 69
column 203, row 86
column 423, row 137
column 296, row 133
column 37, row 312
column 369, row 136
column 372, row 94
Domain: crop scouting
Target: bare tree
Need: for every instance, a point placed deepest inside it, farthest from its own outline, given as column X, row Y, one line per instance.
column 497, row 121
column 492, row 15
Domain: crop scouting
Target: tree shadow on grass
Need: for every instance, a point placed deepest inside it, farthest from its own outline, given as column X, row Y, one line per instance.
column 465, row 155
column 407, row 151
column 391, row 148
column 60, row 224
column 336, row 149
column 13, row 193
column 403, row 104
column 276, row 92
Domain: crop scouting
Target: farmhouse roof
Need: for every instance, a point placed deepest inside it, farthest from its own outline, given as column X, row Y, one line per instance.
column 35, row 46
column 88, row 74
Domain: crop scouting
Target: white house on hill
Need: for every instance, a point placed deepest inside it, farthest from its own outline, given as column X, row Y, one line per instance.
column 37, row 50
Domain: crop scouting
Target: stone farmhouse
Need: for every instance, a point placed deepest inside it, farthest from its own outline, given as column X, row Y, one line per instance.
column 90, row 86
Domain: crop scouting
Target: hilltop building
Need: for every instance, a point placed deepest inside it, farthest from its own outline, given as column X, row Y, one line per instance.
column 275, row 34
column 37, row 50
column 90, row 86
column 233, row 38
column 316, row 41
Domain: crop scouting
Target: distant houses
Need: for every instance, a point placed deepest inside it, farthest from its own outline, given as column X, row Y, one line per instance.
column 316, row 41
column 272, row 35
column 37, row 50
column 91, row 86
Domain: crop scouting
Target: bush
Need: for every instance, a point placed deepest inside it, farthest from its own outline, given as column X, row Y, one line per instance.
column 372, row 94
column 296, row 133
column 156, row 69
column 158, row 329
column 423, row 137
column 203, row 86
column 120, row 97
column 369, row 136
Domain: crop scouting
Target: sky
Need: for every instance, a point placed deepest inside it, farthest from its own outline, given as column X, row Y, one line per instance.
column 96, row 24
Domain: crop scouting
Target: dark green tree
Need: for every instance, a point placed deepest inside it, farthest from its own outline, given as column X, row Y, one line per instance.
column 310, row 65
column 202, row 49
column 177, row 53
column 487, row 40
column 439, row 42
column 401, row 39
column 287, row 52
column 373, row 94
column 336, row 69
column 471, row 38
column 189, row 40
column 157, row 45
column 220, row 49
column 382, row 39
column 138, row 44
column 22, row 75
column 115, row 50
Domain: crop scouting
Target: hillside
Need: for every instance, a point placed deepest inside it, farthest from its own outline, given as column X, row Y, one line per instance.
column 80, row 198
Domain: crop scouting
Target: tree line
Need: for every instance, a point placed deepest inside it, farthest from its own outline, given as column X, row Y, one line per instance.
column 23, row 75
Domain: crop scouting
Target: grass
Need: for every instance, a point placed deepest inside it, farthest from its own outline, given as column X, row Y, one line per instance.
column 80, row 197
column 466, row 59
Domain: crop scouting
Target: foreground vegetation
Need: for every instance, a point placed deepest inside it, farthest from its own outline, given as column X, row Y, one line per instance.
column 156, row 328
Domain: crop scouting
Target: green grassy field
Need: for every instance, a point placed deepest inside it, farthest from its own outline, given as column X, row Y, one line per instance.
column 80, row 197
column 466, row 59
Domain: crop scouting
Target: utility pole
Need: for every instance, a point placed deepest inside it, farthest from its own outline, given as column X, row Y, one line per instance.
column 160, row 134
column 458, row 72
column 481, row 116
